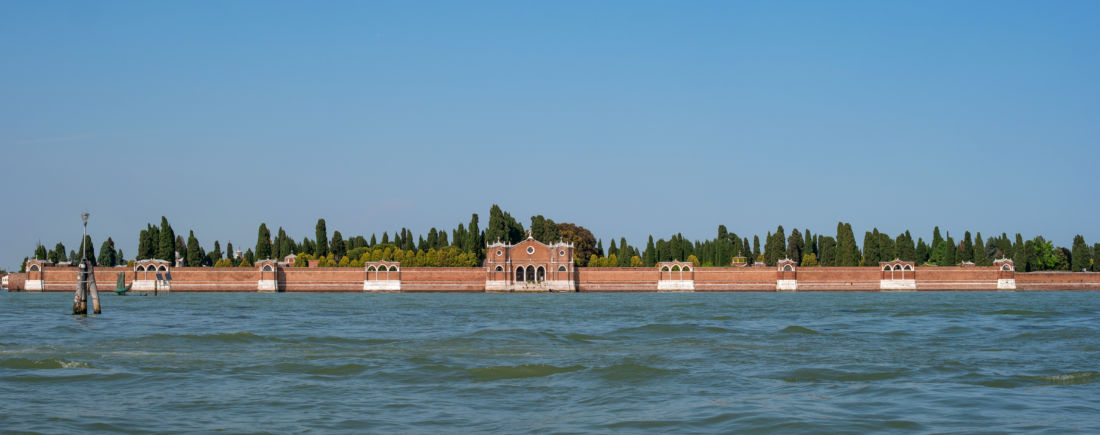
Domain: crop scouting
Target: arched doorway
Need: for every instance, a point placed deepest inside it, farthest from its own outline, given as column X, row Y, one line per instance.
column 519, row 274
column 540, row 275
column 530, row 273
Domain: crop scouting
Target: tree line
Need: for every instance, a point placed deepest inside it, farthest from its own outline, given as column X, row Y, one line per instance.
column 464, row 246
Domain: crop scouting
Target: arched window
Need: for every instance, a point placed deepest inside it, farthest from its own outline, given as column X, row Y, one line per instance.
column 34, row 268
column 499, row 269
column 393, row 268
column 908, row 268
column 561, row 268
column 1006, row 267
column 370, row 268
column 267, row 268
column 519, row 274
column 540, row 274
column 897, row 267
column 162, row 269
column 788, row 268
column 676, row 268
column 886, row 268
column 530, row 273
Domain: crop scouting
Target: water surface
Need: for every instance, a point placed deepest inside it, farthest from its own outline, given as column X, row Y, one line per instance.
column 427, row 363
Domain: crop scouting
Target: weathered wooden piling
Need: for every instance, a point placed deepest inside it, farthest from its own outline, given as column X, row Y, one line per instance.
column 85, row 284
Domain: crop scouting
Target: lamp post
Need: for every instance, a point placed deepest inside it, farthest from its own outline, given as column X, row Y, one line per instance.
column 84, row 218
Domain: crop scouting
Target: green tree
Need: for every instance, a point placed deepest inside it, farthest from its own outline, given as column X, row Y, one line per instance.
column 107, row 255
column 795, row 246
column 847, row 252
column 967, row 251
column 828, row 250
column 923, row 253
column 339, row 249
column 263, row 244
column 755, row 246
column 978, row 255
column 195, row 254
column 89, row 249
column 951, row 255
column 40, row 253
column 1096, row 257
column 650, row 253
column 584, row 243
column 503, row 227
column 775, row 247
column 544, row 230
column 474, row 241
column 1080, row 256
column 322, row 239
column 249, row 259
column 1021, row 253
column 166, row 246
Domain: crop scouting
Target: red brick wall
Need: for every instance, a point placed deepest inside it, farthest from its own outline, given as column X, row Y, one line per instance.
column 838, row 278
column 956, row 278
column 442, row 279
column 322, row 279
column 724, row 279
column 1058, row 281
column 615, row 279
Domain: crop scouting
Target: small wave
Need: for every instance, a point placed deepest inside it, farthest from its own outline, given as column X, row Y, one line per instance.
column 1024, row 313
column 496, row 373
column 223, row 337
column 583, row 338
column 671, row 329
column 631, row 372
column 823, row 374
column 795, row 329
column 1074, row 378
column 50, row 363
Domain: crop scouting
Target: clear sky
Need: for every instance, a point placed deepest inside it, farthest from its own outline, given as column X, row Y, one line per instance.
column 629, row 118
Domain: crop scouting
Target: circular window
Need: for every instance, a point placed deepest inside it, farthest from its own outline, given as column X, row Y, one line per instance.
column 530, row 249
column 499, row 252
column 561, row 252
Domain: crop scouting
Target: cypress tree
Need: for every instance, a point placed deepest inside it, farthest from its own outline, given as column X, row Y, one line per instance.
column 385, row 238
column 978, row 252
column 1080, row 256
column 870, row 249
column 194, row 251
column 795, row 246
column 339, row 247
column 59, row 252
column 755, row 246
column 950, row 256
column 1020, row 251
column 612, row 250
column 474, row 241
column 967, row 251
column 936, row 239
column 650, row 253
column 828, row 251
column 107, row 256
column 322, row 239
column 263, row 244
column 808, row 243
column 1096, row 257
column 166, row 246
column 89, row 250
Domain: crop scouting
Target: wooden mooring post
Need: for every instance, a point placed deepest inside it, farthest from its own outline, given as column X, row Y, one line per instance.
column 85, row 284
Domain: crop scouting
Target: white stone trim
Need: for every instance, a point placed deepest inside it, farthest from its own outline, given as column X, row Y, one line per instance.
column 33, row 285
column 267, row 286
column 1006, row 284
column 676, row 285
column 897, row 284
column 497, row 285
column 382, row 285
column 786, row 284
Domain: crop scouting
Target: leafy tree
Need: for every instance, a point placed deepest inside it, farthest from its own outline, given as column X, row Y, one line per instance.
column 775, row 247
column 847, row 252
column 584, row 243
column 904, row 246
column 1096, row 257
column 1080, row 256
column 809, row 260
column 40, row 253
column 503, row 227
column 51, row 256
column 544, row 230
column 263, row 244
column 636, row 261
column 322, row 239
column 1061, row 258
column 249, row 258
column 693, row 260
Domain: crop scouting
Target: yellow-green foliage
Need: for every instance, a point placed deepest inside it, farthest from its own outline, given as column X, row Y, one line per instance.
column 447, row 257
column 809, row 260
column 224, row 262
column 693, row 260
column 635, row 261
column 302, row 260
column 244, row 263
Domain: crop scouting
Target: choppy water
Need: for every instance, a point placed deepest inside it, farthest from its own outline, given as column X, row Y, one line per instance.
column 801, row 362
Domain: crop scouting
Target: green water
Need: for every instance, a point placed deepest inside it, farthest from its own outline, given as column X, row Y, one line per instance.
column 456, row 363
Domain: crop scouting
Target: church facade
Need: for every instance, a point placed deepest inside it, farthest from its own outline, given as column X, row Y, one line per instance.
column 530, row 265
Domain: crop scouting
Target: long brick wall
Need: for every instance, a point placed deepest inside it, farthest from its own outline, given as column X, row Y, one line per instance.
column 607, row 279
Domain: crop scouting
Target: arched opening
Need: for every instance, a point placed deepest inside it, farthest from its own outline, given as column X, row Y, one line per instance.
column 788, row 268
column 162, row 269
column 540, row 274
column 1006, row 267
column 499, row 269
column 519, row 274
column 34, row 268
column 530, row 273
column 267, row 268
column 886, row 268
column 561, row 268
column 908, row 268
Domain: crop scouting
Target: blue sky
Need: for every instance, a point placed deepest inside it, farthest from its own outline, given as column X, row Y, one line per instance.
column 630, row 118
